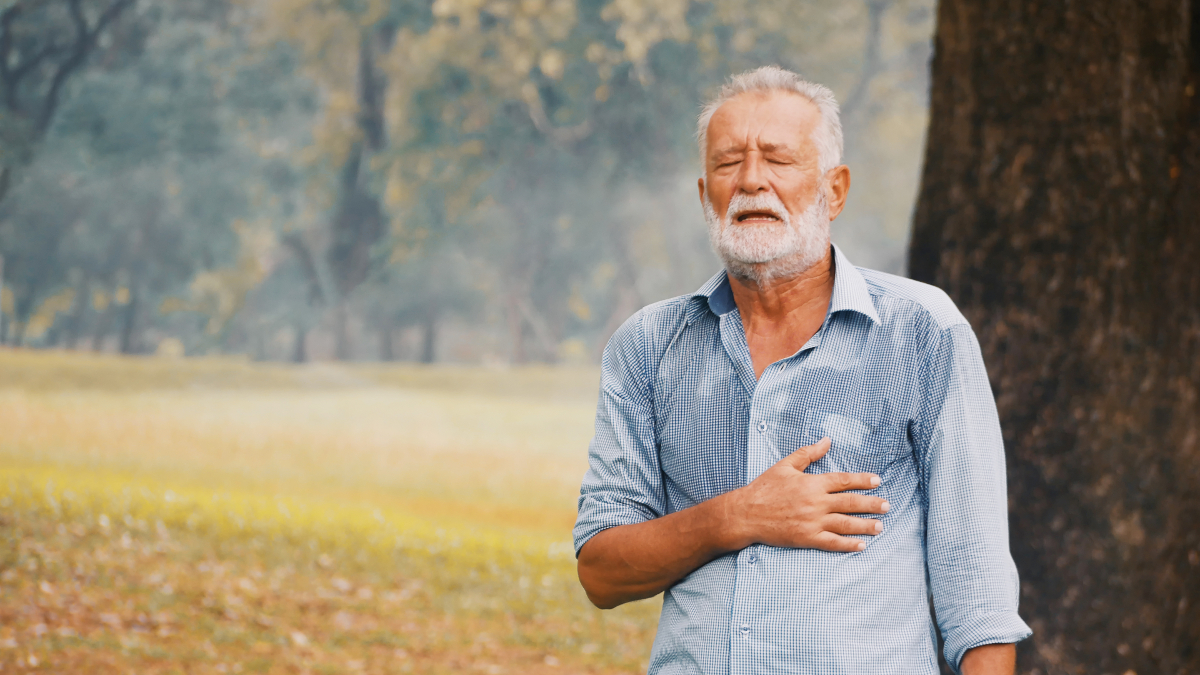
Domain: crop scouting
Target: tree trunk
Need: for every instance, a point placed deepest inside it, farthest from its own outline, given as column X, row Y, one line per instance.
column 429, row 338
column 100, row 331
column 359, row 220
column 3, row 328
column 1059, row 209
column 516, row 328
column 79, row 306
column 23, row 306
column 299, row 348
column 387, row 343
column 129, row 343
column 341, row 331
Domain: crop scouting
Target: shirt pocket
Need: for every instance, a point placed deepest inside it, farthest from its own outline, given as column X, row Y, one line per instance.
column 858, row 447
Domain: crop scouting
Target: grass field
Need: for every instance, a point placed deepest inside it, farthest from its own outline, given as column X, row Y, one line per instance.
column 219, row 516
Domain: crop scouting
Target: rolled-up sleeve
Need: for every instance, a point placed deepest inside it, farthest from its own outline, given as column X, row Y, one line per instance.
column 623, row 484
column 957, row 436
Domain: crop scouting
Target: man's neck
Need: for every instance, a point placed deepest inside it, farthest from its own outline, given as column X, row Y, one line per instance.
column 780, row 315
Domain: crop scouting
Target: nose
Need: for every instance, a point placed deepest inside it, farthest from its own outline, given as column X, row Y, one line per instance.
column 753, row 175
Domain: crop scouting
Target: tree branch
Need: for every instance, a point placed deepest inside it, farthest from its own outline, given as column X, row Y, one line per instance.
column 317, row 293
column 32, row 62
column 871, row 62
column 563, row 135
column 6, row 20
column 85, row 42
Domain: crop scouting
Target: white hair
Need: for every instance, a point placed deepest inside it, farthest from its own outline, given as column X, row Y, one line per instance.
column 828, row 134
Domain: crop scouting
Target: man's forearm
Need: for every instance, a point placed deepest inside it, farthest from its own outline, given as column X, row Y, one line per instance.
column 998, row 659
column 783, row 507
column 631, row 562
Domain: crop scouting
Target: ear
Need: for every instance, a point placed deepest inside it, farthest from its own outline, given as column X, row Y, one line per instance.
column 700, row 184
column 837, row 181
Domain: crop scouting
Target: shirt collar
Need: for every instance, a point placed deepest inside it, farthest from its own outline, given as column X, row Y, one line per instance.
column 850, row 292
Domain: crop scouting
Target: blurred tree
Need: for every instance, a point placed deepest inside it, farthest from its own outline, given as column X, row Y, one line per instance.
column 31, row 236
column 138, row 184
column 316, row 167
column 344, row 44
column 43, row 43
column 581, row 106
column 1059, row 209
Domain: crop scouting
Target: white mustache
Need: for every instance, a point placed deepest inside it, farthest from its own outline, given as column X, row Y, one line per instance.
column 765, row 203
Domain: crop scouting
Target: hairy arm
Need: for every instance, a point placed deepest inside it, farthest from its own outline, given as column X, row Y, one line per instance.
column 631, row 562
column 999, row 659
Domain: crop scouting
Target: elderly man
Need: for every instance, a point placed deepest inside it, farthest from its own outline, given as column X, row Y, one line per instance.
column 741, row 428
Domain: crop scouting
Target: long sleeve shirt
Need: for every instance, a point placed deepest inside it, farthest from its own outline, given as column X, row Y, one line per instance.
column 895, row 378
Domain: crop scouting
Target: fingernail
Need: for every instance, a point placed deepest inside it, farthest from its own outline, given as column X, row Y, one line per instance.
column 861, row 545
column 874, row 481
column 886, row 507
column 878, row 527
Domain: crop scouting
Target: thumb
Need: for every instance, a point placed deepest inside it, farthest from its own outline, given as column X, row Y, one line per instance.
column 810, row 453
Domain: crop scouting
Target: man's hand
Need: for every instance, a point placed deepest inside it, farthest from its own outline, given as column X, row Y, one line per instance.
column 783, row 507
column 789, row 508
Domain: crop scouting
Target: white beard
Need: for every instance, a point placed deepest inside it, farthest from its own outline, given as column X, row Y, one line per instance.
column 761, row 253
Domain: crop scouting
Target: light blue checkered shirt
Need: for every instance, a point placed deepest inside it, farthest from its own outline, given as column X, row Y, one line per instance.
column 895, row 378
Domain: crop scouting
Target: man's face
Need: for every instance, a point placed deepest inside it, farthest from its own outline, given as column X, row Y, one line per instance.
column 761, row 143
column 767, row 204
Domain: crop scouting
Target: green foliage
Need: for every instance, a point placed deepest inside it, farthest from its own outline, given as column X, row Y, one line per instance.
column 465, row 179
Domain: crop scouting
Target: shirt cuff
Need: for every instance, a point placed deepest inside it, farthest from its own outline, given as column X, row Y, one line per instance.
column 596, row 516
column 989, row 629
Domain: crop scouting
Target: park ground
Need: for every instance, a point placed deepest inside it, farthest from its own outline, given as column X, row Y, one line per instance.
column 222, row 516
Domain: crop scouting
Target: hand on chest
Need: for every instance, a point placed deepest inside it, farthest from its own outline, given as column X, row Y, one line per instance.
column 721, row 434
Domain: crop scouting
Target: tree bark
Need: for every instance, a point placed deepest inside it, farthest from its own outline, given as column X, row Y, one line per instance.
column 1058, row 208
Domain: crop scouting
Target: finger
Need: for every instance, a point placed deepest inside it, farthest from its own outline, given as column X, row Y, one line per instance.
column 809, row 454
column 857, row 504
column 839, row 524
column 828, row 541
column 839, row 482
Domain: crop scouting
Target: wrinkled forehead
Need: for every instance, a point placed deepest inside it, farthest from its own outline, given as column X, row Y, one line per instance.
column 757, row 118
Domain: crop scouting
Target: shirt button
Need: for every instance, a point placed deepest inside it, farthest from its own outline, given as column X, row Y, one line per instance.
column 746, row 630
column 762, row 427
column 752, row 558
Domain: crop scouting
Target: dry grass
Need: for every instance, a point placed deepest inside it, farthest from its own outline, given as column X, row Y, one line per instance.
column 221, row 516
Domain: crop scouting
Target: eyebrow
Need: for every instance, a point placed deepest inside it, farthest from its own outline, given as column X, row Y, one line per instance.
column 764, row 147
column 774, row 147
